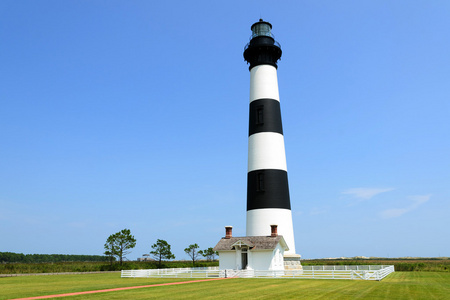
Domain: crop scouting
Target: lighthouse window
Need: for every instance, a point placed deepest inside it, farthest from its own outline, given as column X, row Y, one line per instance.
column 261, row 29
column 260, row 182
column 260, row 115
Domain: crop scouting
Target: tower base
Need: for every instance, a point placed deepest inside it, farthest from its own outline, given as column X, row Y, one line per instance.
column 292, row 262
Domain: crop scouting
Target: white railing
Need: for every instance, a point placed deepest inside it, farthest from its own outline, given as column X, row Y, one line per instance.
column 372, row 272
column 338, row 267
column 331, row 272
column 210, row 272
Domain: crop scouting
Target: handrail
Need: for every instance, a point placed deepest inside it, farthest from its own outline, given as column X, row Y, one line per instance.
column 274, row 42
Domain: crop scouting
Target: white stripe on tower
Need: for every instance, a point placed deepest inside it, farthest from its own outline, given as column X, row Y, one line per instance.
column 265, row 83
column 267, row 184
column 266, row 151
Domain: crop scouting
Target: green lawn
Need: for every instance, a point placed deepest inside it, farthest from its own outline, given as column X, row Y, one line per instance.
column 399, row 285
column 29, row 286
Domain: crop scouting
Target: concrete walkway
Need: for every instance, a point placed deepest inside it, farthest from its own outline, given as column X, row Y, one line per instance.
column 116, row 289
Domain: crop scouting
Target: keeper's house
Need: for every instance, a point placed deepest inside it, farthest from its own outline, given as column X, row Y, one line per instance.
column 251, row 252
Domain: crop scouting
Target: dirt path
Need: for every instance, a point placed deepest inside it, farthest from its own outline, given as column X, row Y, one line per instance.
column 116, row 289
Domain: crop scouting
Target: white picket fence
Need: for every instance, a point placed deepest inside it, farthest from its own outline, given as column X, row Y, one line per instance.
column 372, row 272
column 210, row 272
column 368, row 272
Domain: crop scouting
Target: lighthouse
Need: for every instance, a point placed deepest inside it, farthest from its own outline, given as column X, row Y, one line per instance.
column 268, row 201
column 269, row 242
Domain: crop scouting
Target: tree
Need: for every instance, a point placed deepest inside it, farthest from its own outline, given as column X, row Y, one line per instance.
column 109, row 251
column 161, row 250
column 119, row 243
column 192, row 252
column 209, row 253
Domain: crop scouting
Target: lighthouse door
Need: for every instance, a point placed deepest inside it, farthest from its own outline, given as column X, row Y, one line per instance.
column 244, row 258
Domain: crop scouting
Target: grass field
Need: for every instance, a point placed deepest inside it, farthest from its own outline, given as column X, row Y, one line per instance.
column 399, row 285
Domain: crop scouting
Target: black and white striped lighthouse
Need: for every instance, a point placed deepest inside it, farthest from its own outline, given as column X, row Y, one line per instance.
column 268, row 201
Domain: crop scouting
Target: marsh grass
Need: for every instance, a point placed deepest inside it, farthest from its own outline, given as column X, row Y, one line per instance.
column 62, row 267
column 430, row 265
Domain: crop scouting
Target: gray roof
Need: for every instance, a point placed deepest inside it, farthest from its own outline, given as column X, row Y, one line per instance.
column 253, row 242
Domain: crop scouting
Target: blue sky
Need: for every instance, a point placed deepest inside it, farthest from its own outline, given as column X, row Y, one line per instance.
column 134, row 114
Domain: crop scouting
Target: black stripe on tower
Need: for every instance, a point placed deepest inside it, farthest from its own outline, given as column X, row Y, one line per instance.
column 268, row 189
column 265, row 116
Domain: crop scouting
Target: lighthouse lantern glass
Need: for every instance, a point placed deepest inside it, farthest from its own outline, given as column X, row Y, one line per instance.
column 261, row 29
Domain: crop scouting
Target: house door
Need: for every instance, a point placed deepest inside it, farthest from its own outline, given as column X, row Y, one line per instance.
column 244, row 260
